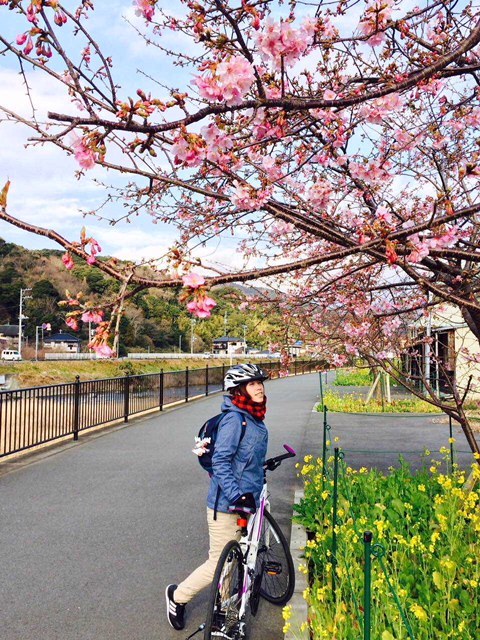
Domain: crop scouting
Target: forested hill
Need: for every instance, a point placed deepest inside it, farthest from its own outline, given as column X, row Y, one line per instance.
column 153, row 320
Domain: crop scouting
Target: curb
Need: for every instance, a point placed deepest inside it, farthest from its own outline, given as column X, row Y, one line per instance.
column 298, row 540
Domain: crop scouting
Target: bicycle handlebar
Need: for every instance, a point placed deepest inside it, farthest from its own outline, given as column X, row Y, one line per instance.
column 272, row 463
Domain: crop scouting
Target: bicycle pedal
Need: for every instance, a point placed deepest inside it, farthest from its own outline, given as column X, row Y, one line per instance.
column 273, row 568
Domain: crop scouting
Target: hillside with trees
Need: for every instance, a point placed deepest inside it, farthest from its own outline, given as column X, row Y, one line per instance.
column 153, row 320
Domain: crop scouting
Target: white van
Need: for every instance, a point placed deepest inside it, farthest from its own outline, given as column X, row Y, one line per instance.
column 9, row 354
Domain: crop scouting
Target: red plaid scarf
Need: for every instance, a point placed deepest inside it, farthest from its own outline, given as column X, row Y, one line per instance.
column 257, row 409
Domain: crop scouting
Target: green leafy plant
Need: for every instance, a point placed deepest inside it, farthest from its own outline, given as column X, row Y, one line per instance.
column 353, row 378
column 427, row 523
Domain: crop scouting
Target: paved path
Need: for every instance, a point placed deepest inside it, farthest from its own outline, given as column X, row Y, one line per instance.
column 91, row 533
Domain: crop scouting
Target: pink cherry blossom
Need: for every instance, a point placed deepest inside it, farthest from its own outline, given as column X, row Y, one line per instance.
column 202, row 307
column 280, row 41
column 338, row 360
column 83, row 154
column 72, row 322
column 188, row 150
column 235, row 77
column 145, row 8
column 60, row 17
column 68, row 261
column 231, row 79
column 384, row 215
column 375, row 20
column 218, row 143
column 104, row 351
column 320, row 193
column 95, row 248
column 193, row 280
column 248, row 199
column 92, row 316
column 377, row 110
column 31, row 13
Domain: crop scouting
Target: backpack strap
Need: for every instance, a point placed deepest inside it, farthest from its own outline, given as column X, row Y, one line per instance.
column 217, row 497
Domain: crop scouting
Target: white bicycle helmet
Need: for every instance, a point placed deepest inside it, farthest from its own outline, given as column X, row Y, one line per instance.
column 242, row 373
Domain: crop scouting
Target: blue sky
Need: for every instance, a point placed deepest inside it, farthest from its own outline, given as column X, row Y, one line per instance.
column 43, row 188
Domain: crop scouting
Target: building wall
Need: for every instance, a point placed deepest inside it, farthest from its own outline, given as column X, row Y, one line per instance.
column 465, row 367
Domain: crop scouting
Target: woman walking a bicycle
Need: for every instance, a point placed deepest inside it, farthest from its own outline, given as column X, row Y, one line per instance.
column 236, row 481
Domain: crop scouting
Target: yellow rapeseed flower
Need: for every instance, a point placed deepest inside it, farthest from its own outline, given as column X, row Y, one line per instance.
column 419, row 612
column 287, row 612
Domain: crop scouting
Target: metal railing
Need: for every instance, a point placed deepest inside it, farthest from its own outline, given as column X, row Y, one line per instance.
column 35, row 416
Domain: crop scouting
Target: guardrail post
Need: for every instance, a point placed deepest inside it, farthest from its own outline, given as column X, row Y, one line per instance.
column 76, row 407
column 126, row 397
column 223, row 376
column 367, row 539
column 186, row 384
column 206, row 379
column 321, row 388
column 161, row 389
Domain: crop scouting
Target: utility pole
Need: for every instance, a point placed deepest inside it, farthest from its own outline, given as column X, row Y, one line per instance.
column 192, row 337
column 244, row 338
column 21, row 317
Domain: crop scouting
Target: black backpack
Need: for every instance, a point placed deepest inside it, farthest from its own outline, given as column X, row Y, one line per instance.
column 205, row 441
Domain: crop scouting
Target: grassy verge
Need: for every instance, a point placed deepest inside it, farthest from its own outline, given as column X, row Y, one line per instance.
column 351, row 403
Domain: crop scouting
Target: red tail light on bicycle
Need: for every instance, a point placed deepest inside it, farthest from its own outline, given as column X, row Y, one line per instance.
column 242, row 522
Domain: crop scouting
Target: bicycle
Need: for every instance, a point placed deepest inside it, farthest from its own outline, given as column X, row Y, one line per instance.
column 259, row 565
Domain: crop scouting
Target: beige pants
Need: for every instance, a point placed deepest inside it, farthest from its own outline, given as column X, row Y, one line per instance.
column 221, row 531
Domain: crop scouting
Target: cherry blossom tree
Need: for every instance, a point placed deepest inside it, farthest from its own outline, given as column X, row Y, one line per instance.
column 336, row 141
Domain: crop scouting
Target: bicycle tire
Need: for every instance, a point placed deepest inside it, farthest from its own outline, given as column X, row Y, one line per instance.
column 226, row 588
column 274, row 549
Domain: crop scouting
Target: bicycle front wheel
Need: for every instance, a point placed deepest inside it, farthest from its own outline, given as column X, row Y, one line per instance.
column 275, row 562
column 223, row 620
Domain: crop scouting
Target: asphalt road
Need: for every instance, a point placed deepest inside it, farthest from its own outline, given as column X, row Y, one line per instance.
column 92, row 532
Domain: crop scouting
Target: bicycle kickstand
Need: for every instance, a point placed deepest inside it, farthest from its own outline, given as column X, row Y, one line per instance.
column 200, row 628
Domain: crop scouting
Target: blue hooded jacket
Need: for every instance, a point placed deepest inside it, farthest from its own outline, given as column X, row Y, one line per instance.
column 237, row 465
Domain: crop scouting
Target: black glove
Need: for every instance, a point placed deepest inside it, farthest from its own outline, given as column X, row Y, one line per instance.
column 244, row 504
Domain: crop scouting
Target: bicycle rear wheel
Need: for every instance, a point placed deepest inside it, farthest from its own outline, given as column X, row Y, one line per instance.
column 275, row 562
column 223, row 619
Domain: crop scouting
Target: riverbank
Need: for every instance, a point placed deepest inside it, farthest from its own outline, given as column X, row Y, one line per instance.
column 36, row 374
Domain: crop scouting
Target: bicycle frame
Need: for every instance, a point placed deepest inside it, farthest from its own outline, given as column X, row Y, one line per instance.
column 249, row 545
